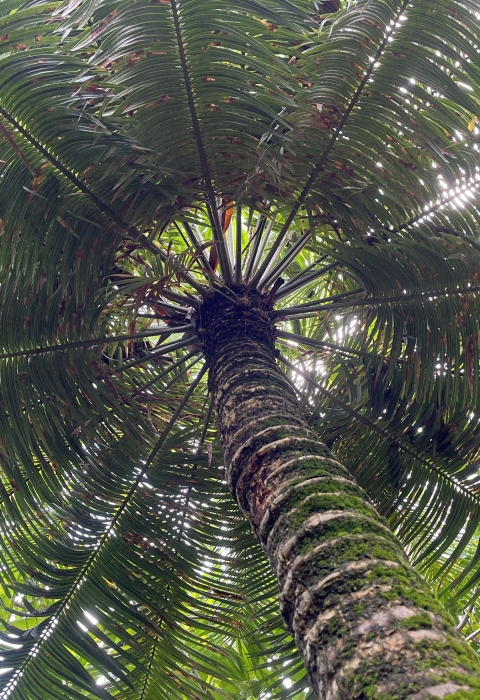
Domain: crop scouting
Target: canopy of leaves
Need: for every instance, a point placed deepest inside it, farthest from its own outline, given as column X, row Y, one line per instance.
column 153, row 151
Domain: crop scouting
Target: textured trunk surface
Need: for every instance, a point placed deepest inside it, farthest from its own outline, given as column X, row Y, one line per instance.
column 367, row 625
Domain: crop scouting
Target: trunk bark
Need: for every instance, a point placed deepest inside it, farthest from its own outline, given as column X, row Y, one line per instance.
column 366, row 623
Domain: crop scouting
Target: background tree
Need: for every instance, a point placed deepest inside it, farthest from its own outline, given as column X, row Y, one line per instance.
column 170, row 168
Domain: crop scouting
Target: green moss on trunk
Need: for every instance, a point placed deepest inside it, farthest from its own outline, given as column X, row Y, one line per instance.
column 367, row 625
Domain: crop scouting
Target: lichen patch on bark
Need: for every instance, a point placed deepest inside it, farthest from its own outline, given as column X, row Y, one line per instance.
column 441, row 690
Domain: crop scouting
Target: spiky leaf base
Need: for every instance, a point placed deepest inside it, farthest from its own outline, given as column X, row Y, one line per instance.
column 367, row 624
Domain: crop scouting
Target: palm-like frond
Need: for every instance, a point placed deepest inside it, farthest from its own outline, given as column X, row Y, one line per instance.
column 152, row 151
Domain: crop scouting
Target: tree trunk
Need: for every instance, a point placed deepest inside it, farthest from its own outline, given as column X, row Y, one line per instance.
column 366, row 623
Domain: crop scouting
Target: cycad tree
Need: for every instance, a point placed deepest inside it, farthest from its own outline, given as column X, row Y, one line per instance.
column 259, row 216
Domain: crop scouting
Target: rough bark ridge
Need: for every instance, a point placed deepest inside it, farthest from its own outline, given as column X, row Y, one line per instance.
column 366, row 623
